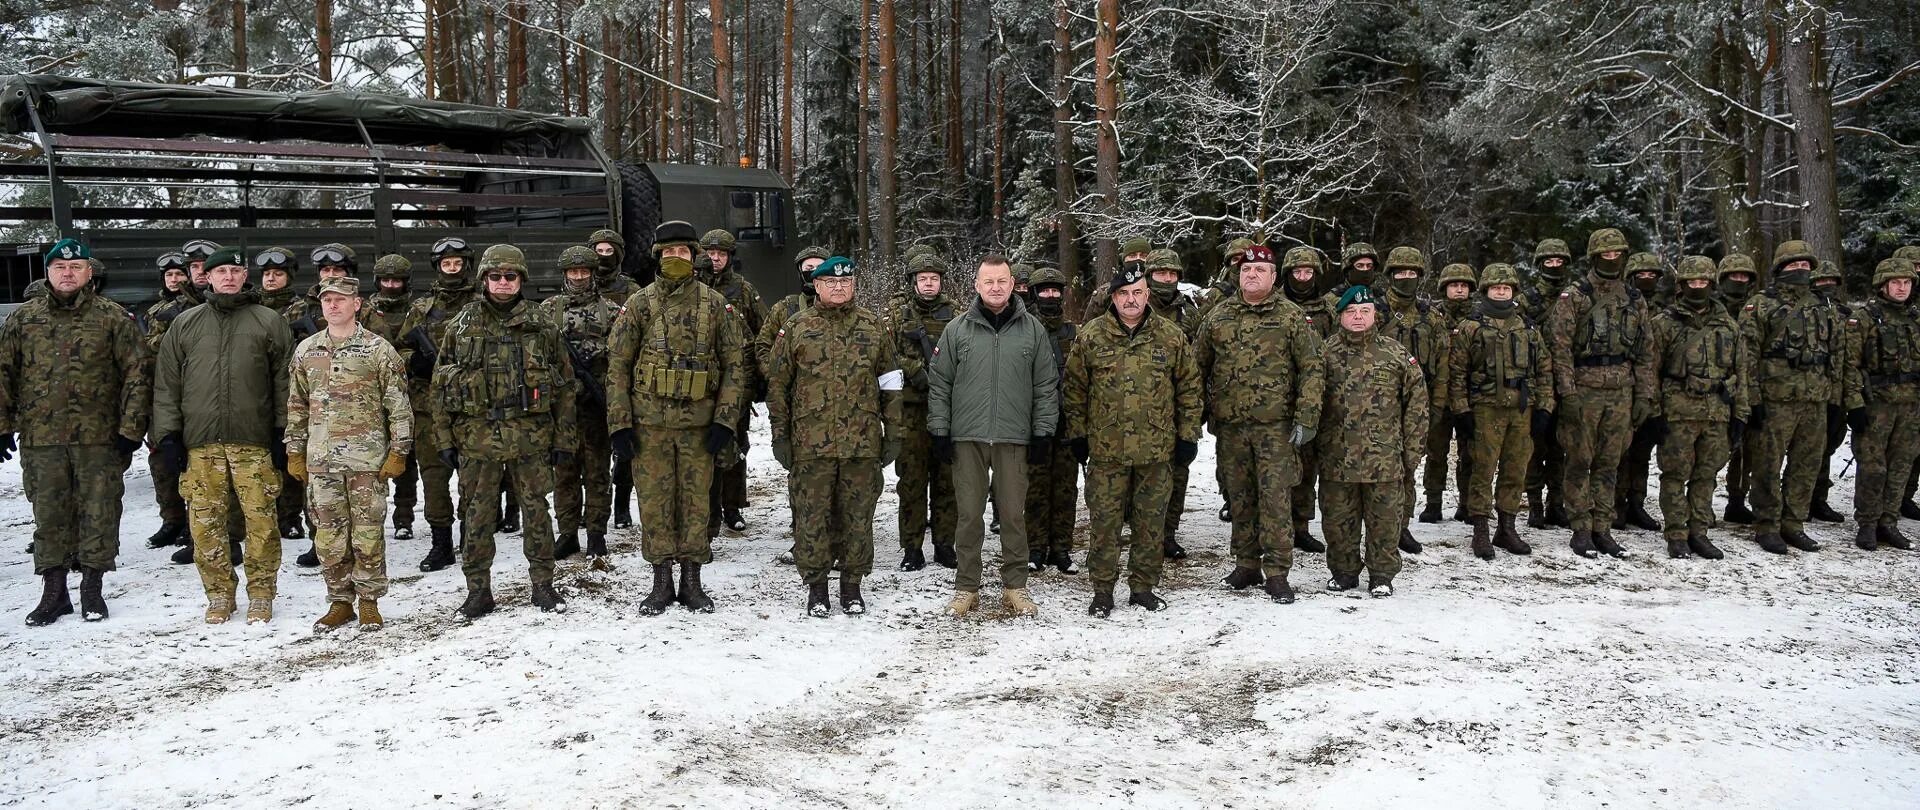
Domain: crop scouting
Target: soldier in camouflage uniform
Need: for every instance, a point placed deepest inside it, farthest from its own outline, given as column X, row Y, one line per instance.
column 615, row 286
column 676, row 382
column 1134, row 403
column 1419, row 327
column 1826, row 286
column 730, row 483
column 1546, row 473
column 1703, row 404
column 1737, row 279
column 503, row 410
column 925, row 486
column 422, row 334
column 833, row 401
column 1165, row 299
column 1797, row 364
column 197, row 251
column 349, row 430
column 1132, row 249
column 585, row 489
column 1499, row 374
column 1597, row 333
column 1359, row 267
column 1222, row 287
column 1647, row 275
column 176, row 296
column 1053, row 489
column 385, row 314
column 332, row 261
column 73, row 389
column 1887, row 333
column 1259, row 364
column 276, row 266
column 1908, row 509
column 784, row 310
column 1374, row 415
column 1303, row 267
column 1457, row 283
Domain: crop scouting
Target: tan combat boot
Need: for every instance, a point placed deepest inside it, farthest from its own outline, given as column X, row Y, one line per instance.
column 338, row 613
column 1017, row 602
column 259, row 611
column 370, row 616
column 963, row 603
column 219, row 610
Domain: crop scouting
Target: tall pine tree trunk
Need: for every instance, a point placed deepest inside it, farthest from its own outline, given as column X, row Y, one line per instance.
column 1106, row 97
column 723, row 112
column 1067, row 230
column 240, row 43
column 786, row 98
column 889, row 134
column 861, row 202
column 516, row 51
column 1810, row 97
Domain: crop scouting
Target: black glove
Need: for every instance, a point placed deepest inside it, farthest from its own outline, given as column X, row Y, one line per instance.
column 173, row 450
column 560, row 458
column 1039, row 449
column 622, row 443
column 450, row 457
column 1757, row 418
column 1736, row 431
column 1463, row 425
column 943, row 449
column 420, row 365
column 1542, row 424
column 277, row 450
column 760, row 390
column 1656, row 429
column 121, row 444
column 7, row 447
column 1080, row 450
column 1184, row 452
column 1857, row 420
column 717, row 437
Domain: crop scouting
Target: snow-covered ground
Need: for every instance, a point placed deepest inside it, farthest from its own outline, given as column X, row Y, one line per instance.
column 1548, row 681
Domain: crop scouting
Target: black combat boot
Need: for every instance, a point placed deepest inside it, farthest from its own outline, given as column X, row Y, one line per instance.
column 1508, row 536
column 1582, row 543
column 912, row 558
column 1170, row 549
column 943, row 555
column 1036, row 559
column 1737, row 511
column 93, row 606
column 292, row 530
column 1703, row 548
column 851, row 602
column 1636, row 516
column 1771, row 543
column 691, row 594
column 1603, row 541
column 1557, row 511
column 817, row 605
column 1482, row 541
column 546, row 598
column 566, row 544
column 1799, row 539
column 596, row 544
column 734, row 521
column 1279, row 590
column 1242, row 578
column 1460, row 513
column 662, row 595
column 1408, row 545
column 54, row 601
column 1431, row 513
column 310, row 558
column 479, row 601
column 1909, row 509
column 170, row 534
column 1148, row 600
column 1619, row 518
column 1536, row 510
column 1062, row 561
column 1304, row 540
column 1678, row 548
column 1867, row 538
column 1102, row 606
column 1890, row 535
column 440, row 554
column 402, row 526
column 623, row 506
column 1343, row 582
column 1818, row 508
column 183, row 556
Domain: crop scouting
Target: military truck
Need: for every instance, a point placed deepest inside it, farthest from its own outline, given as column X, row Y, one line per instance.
column 136, row 170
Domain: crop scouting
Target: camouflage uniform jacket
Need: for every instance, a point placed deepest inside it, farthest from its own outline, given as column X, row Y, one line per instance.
column 676, row 323
column 777, row 317
column 586, row 321
column 1318, row 309
column 1374, row 420
column 1699, row 356
column 433, row 311
column 1062, row 333
column 1796, row 349
column 1536, row 300
column 1183, row 312
column 504, row 387
column 1132, row 392
column 1597, row 333
column 916, row 329
column 616, row 288
column 833, row 389
column 745, row 300
column 161, row 313
column 385, row 314
column 1420, row 327
column 72, row 373
column 1501, row 362
column 1888, row 337
column 1260, row 364
column 347, row 404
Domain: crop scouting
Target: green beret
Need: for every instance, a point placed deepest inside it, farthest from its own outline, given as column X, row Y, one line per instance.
column 834, row 267
column 1356, row 294
column 225, row 256
column 68, row 248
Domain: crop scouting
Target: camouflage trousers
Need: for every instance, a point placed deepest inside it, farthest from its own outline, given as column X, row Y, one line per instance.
column 1740, row 465
column 1885, row 451
column 1595, row 425
column 1548, row 468
column 75, row 491
column 674, row 475
column 1053, row 494
column 436, row 478
column 1440, row 437
column 925, row 486
column 480, row 482
column 1503, row 443
column 217, row 473
column 1257, row 468
column 1794, row 433
column 1379, row 508
column 1135, row 494
column 976, row 466
column 827, row 493
column 166, row 490
column 1301, row 497
column 1631, row 480
column 1176, row 500
column 583, row 493
column 1691, row 456
column 348, row 512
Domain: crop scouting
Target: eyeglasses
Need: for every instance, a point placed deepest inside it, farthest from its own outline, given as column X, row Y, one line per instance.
column 327, row 255
column 272, row 258
column 171, row 261
column 200, row 247
column 503, row 276
column 449, row 244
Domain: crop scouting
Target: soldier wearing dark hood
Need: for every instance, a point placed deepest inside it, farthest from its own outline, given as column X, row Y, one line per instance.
column 1887, row 334
column 1703, row 404
column 583, row 491
column 422, row 335
column 1648, row 278
column 1300, row 275
column 1546, row 498
column 1735, row 286
column 730, row 483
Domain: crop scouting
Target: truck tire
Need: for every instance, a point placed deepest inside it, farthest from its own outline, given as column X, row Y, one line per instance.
column 639, row 216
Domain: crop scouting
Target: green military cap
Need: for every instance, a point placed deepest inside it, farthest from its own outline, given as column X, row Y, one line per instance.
column 1354, row 296
column 1892, row 268
column 1605, row 240
column 225, row 256
column 834, row 267
column 1550, row 248
column 1457, row 272
column 504, row 257
column 345, row 285
column 68, row 248
column 717, row 239
column 1047, row 275
column 1405, row 256
column 1358, row 250
column 1790, row 251
column 674, row 232
column 1737, row 263
column 1695, row 267
column 1164, row 259
column 392, row 265
column 1644, row 262
column 1499, row 273
column 1135, row 244
column 578, row 256
column 1235, row 246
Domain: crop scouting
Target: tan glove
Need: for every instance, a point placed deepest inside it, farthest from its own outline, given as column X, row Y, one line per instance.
column 297, row 466
column 396, row 464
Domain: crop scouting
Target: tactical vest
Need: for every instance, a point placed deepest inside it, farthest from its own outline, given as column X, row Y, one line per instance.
column 1507, row 362
column 1892, row 357
column 502, row 376
column 924, row 339
column 1605, row 337
column 1802, row 336
column 673, row 364
column 1701, row 361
